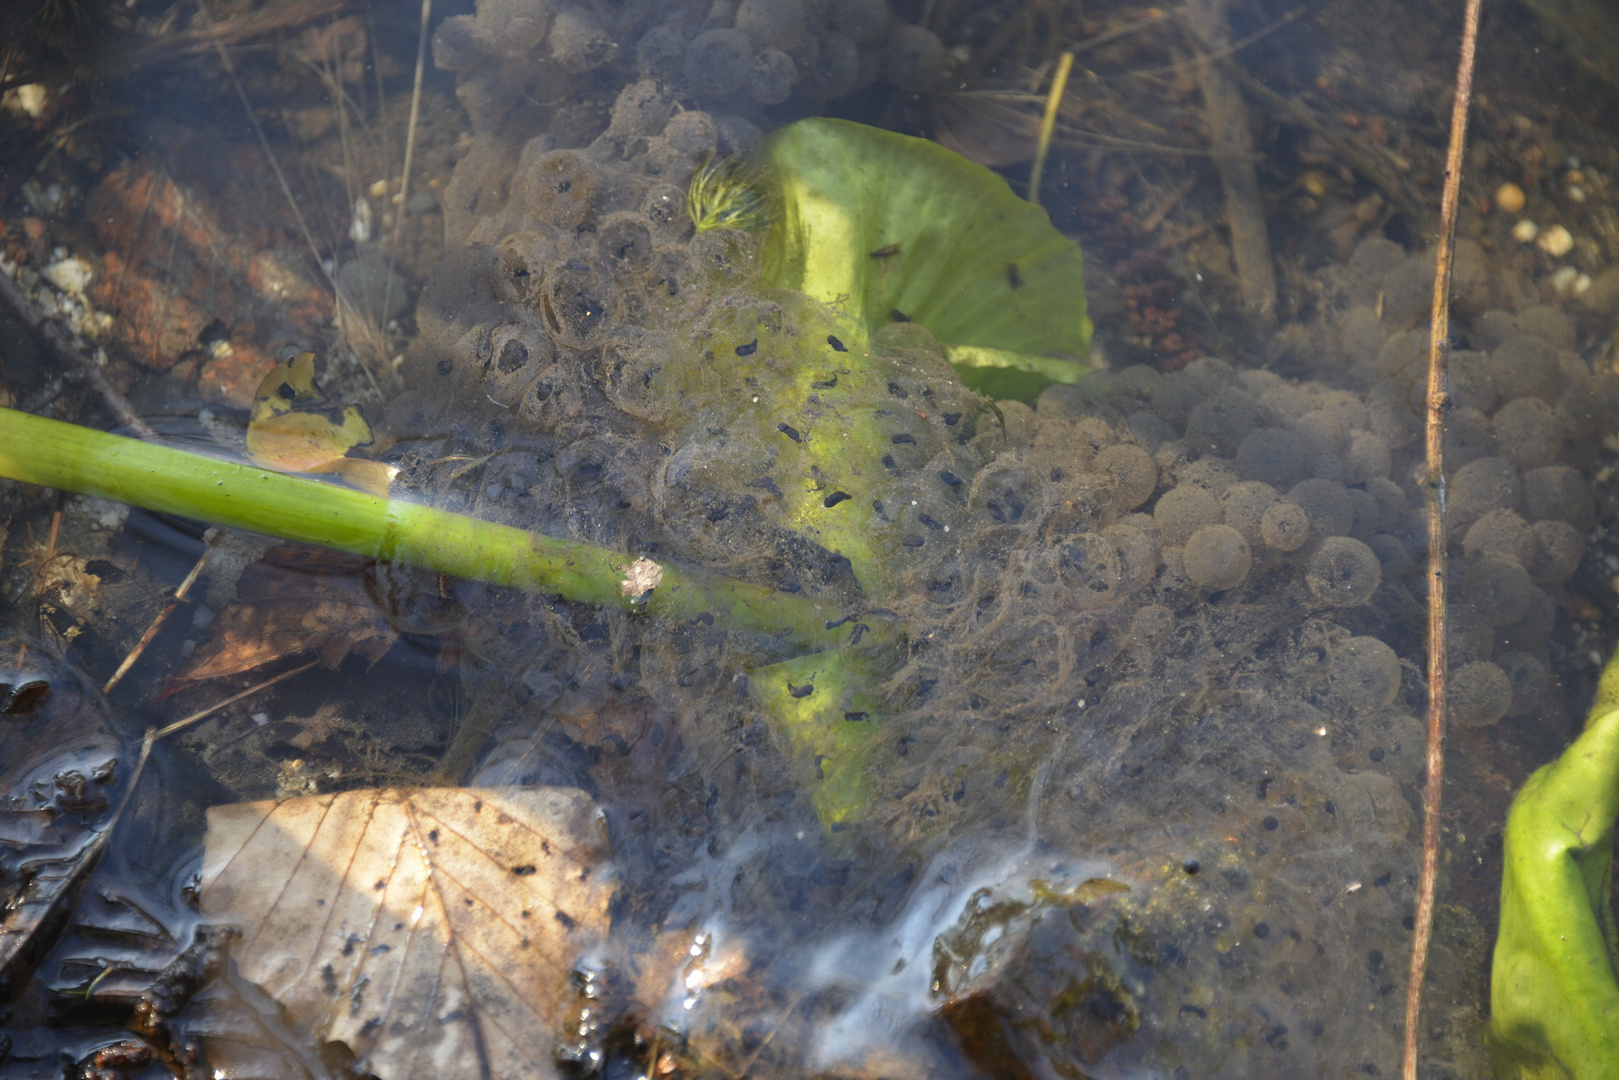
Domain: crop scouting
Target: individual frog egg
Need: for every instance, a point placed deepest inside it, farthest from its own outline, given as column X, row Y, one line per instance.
column 1343, row 572
column 579, row 42
column 1184, row 510
column 1499, row 590
column 771, row 24
column 517, row 354
column 1531, row 682
column 1006, row 493
column 1395, row 557
column 560, row 188
column 1327, row 502
column 1368, row 458
column 1558, row 492
column 1284, row 526
column 1527, row 367
column 1244, row 504
column 1218, row 424
column 1480, row 694
column 1467, row 635
column 1472, row 380
column 640, row 110
column 1364, row 674
column 832, row 68
column 579, row 302
column 1481, row 486
column 519, row 265
column 1152, row 625
column 693, row 133
column 772, row 78
column 660, row 53
column 914, row 58
column 457, row 45
column 1089, row 565
column 1216, row 557
column 1468, row 437
column 1275, row 457
column 1137, row 552
column 859, row 20
column 717, row 62
column 1530, row 633
column 1529, row 432
column 1501, row 533
column 625, row 242
column 1559, row 548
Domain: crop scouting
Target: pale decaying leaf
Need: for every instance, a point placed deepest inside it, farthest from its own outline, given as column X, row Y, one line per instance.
column 431, row 930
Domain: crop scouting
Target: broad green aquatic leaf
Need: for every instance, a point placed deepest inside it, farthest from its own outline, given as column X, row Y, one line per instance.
column 430, row 930
column 822, row 706
column 895, row 228
column 1554, row 998
column 843, row 438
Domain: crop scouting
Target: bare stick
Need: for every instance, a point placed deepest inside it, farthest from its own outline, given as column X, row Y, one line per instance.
column 163, row 616
column 1438, row 671
column 249, row 692
column 1232, row 142
column 410, row 146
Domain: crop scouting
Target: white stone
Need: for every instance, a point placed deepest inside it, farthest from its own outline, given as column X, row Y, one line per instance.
column 1525, row 231
column 72, row 275
column 1555, row 241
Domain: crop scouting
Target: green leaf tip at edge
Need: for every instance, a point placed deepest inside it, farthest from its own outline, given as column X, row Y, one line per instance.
column 1554, row 997
column 895, row 227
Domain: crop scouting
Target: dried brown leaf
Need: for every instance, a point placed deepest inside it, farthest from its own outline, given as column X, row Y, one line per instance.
column 431, row 930
column 297, row 600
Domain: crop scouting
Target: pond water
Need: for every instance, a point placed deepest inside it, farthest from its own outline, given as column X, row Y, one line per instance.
column 1108, row 757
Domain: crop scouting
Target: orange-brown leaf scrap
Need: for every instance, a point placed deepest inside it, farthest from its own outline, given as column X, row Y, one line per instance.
column 294, row 429
column 431, row 930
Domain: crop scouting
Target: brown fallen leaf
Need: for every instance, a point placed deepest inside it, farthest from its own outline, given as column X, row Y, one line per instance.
column 431, row 930
column 295, row 429
column 298, row 599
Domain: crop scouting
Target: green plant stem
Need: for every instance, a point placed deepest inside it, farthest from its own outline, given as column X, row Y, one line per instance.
column 50, row 453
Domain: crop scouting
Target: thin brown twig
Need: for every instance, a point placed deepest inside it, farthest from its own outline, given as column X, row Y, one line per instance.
column 1438, row 400
column 163, row 616
column 249, row 692
column 410, row 148
column 37, row 582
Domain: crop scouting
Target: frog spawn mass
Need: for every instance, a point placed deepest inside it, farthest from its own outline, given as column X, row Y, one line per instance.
column 1168, row 623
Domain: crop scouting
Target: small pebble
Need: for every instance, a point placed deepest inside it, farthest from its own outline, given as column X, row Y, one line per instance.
column 1556, row 241
column 1509, row 198
column 1525, row 231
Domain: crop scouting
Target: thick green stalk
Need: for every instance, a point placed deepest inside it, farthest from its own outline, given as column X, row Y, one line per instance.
column 54, row 454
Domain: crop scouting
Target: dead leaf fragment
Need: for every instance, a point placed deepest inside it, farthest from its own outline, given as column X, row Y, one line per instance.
column 294, row 429
column 431, row 930
column 297, row 600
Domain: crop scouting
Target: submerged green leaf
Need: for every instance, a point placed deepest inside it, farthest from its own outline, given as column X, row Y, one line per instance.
column 895, row 228
column 1554, row 998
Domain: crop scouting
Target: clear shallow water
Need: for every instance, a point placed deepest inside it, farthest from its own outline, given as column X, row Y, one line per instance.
column 1247, row 732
